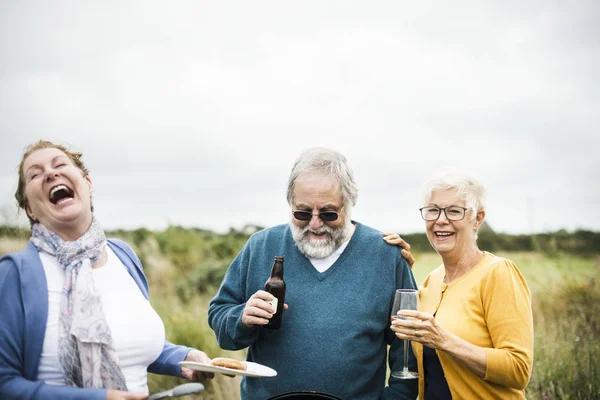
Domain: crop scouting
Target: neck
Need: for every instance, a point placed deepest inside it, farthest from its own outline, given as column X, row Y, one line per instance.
column 351, row 230
column 73, row 231
column 70, row 236
column 459, row 265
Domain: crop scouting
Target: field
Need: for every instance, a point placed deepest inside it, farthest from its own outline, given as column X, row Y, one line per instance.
column 184, row 268
column 566, row 301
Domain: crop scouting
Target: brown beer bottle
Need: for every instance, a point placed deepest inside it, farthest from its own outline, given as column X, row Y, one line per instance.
column 276, row 286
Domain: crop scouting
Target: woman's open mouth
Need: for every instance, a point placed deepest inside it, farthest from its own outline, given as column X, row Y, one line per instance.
column 61, row 194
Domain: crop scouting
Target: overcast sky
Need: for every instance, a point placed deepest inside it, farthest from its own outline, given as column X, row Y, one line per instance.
column 193, row 112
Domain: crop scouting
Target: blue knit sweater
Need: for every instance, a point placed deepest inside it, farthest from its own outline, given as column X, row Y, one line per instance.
column 334, row 336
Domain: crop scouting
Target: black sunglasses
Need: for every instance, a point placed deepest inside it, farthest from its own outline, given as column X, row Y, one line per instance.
column 326, row 216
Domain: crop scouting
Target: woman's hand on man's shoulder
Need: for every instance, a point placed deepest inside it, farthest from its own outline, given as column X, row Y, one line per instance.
column 395, row 240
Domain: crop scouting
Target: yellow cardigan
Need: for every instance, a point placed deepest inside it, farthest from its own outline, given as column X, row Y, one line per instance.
column 489, row 306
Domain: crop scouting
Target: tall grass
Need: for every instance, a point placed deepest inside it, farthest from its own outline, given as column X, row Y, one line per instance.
column 567, row 350
column 181, row 296
column 185, row 267
column 187, row 323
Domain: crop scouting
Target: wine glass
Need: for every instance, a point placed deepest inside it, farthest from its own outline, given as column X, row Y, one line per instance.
column 405, row 299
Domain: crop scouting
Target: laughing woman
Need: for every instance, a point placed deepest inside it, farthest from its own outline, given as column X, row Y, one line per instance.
column 473, row 333
column 71, row 299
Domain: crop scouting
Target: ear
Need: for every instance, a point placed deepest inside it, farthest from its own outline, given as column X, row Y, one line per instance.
column 89, row 181
column 479, row 219
column 29, row 212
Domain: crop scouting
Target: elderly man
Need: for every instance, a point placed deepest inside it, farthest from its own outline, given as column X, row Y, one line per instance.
column 341, row 278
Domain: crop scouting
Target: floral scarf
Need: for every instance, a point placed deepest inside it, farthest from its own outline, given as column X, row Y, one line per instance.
column 85, row 347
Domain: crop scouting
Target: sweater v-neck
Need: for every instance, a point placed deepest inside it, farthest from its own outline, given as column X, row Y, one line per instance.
column 321, row 276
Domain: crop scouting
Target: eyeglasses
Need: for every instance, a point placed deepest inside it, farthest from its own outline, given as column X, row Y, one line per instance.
column 326, row 216
column 453, row 213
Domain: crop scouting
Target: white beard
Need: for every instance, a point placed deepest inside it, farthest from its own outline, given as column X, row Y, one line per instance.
column 320, row 248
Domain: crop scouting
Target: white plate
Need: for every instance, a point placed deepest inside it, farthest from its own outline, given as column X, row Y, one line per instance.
column 253, row 369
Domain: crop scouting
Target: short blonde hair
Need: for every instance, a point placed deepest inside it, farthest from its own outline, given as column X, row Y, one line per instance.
column 468, row 188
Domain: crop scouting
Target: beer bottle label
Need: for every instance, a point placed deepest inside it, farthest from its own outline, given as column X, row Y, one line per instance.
column 274, row 303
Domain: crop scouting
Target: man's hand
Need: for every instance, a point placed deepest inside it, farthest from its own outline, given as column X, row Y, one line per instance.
column 258, row 310
column 395, row 239
column 196, row 376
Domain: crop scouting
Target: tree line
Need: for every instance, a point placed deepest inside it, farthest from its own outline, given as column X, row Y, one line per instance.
column 579, row 242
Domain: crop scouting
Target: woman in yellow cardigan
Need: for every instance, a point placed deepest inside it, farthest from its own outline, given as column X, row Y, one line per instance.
column 473, row 333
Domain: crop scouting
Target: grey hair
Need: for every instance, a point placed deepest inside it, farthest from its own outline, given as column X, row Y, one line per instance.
column 468, row 188
column 327, row 162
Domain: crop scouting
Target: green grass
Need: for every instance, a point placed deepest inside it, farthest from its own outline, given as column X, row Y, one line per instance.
column 185, row 267
column 567, row 327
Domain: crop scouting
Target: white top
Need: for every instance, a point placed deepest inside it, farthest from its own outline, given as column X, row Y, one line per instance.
column 137, row 331
column 323, row 264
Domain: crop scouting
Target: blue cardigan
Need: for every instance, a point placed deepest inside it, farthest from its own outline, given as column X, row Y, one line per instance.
column 335, row 335
column 24, row 303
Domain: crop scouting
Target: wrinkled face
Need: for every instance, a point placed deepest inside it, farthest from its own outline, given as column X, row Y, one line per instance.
column 451, row 237
column 57, row 193
column 316, row 193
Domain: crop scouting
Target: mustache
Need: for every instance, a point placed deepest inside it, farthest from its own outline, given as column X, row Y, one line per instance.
column 323, row 229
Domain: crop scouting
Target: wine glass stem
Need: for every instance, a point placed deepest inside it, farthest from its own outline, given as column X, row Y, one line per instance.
column 406, row 344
